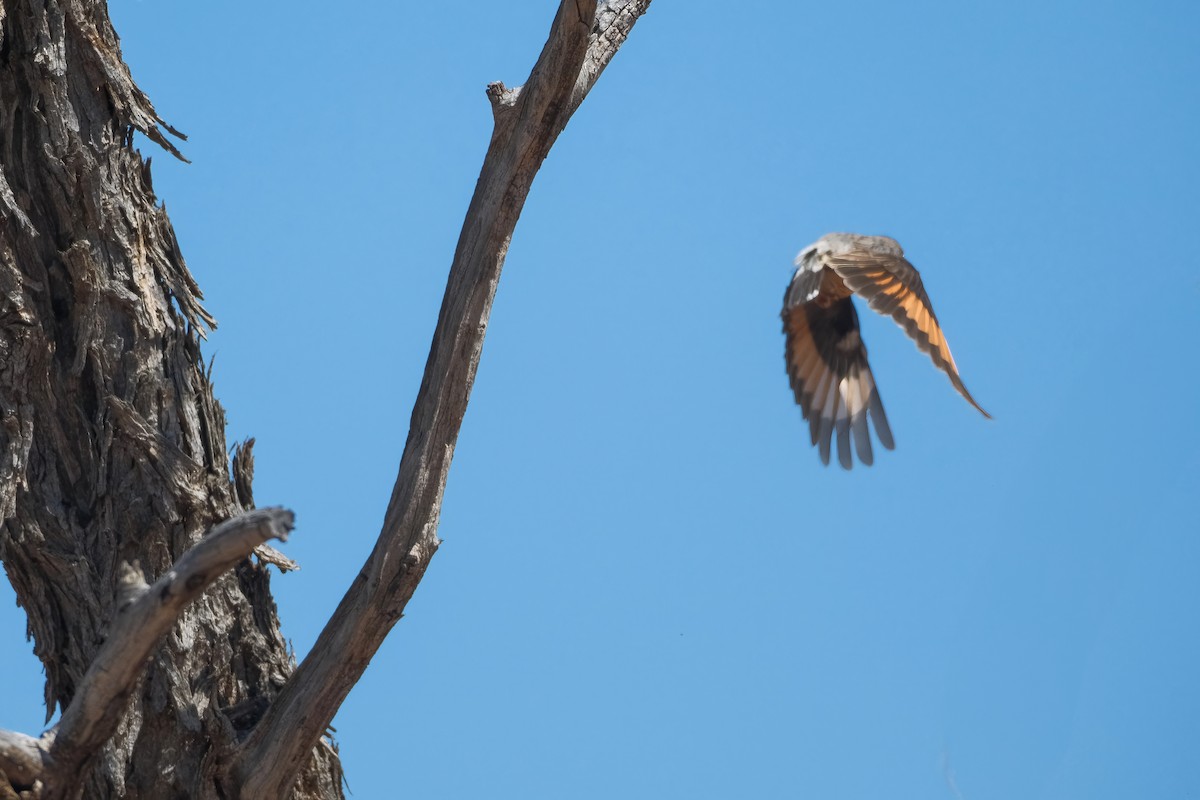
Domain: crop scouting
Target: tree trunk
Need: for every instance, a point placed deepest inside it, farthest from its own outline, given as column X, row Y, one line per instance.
column 112, row 446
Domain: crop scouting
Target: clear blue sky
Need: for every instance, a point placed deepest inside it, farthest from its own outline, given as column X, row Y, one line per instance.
column 650, row 587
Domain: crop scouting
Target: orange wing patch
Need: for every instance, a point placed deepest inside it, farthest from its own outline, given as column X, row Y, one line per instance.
column 892, row 287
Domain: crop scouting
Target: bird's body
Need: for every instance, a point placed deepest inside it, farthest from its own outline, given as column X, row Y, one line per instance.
column 826, row 358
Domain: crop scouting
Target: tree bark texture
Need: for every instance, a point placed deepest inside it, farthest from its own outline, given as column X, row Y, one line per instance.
column 112, row 446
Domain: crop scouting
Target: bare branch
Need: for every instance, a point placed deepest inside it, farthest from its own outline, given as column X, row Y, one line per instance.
column 145, row 617
column 614, row 21
column 269, row 555
column 22, row 758
column 583, row 39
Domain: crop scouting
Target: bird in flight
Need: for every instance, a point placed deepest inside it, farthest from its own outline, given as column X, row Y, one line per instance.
column 826, row 358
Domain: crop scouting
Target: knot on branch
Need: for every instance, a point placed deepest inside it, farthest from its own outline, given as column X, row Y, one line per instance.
column 501, row 97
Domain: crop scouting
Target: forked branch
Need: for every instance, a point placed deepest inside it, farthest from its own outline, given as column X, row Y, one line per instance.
column 583, row 39
column 145, row 614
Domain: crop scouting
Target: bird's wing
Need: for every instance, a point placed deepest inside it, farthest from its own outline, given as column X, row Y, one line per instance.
column 892, row 286
column 827, row 364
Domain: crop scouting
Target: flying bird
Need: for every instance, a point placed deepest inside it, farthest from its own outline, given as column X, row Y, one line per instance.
column 825, row 354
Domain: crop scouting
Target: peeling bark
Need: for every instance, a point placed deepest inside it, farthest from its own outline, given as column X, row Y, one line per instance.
column 54, row 765
column 112, row 446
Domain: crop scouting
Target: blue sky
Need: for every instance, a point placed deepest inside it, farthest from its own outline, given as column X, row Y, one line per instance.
column 650, row 587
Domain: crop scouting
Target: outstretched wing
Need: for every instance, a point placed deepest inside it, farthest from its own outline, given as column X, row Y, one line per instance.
column 827, row 364
column 892, row 286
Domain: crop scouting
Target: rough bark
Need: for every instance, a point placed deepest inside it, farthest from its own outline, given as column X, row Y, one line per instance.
column 54, row 766
column 112, row 446
column 112, row 443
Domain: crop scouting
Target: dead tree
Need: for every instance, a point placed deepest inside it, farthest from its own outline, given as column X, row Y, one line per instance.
column 113, row 464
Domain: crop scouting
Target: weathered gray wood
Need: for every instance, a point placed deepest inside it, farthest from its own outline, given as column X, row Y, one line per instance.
column 144, row 615
column 22, row 760
column 112, row 446
column 583, row 39
column 140, row 625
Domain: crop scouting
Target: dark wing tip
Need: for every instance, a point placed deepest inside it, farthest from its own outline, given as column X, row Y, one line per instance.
column 962, row 389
